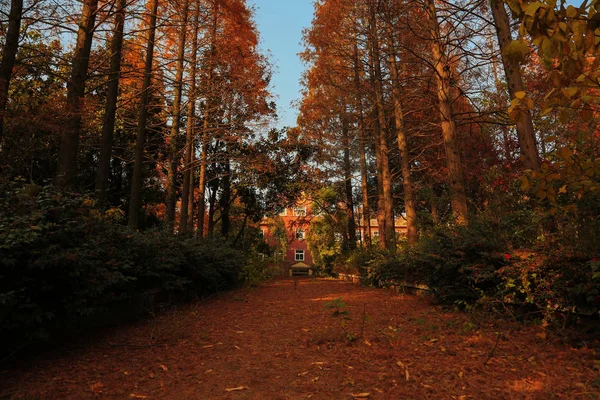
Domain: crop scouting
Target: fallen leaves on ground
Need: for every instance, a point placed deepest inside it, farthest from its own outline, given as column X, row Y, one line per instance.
column 281, row 343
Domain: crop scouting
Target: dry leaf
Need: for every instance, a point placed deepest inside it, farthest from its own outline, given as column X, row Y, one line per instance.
column 361, row 395
column 164, row 367
column 237, row 389
column 137, row 396
column 303, row 373
column 368, row 343
column 97, row 387
column 407, row 374
column 240, row 332
column 318, row 363
column 152, row 375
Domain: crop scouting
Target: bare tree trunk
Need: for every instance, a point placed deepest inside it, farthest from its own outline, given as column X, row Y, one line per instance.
column 171, row 199
column 364, row 183
column 409, row 193
column 348, row 186
column 190, row 221
column 9, row 55
column 140, row 143
column 387, row 234
column 226, row 197
column 525, row 131
column 458, row 198
column 206, row 122
column 212, row 200
column 186, row 198
column 69, row 141
column 110, row 110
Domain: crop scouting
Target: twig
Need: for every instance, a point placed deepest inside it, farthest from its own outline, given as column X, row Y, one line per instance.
column 493, row 350
column 362, row 329
column 13, row 352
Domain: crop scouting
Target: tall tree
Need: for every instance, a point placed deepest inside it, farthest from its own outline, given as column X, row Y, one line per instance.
column 174, row 159
column 69, row 144
column 208, row 86
column 9, row 54
column 187, row 197
column 455, row 179
column 385, row 207
column 407, row 183
column 112, row 95
column 135, row 201
column 514, row 78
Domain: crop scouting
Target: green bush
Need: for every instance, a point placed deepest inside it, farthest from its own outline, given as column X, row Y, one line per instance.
column 457, row 263
column 64, row 264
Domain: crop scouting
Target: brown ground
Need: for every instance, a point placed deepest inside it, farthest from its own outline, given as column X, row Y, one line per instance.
column 279, row 342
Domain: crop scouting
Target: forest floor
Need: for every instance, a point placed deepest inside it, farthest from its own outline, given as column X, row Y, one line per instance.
column 279, row 341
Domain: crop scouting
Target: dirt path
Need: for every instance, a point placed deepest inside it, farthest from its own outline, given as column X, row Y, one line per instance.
column 279, row 342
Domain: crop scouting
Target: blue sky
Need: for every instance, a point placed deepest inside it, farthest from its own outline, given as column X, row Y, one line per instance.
column 280, row 23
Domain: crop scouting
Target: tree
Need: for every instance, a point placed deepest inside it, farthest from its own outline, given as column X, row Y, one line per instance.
column 110, row 110
column 136, row 180
column 442, row 67
column 69, row 145
column 9, row 54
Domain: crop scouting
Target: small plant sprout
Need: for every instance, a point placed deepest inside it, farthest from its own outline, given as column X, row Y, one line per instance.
column 339, row 312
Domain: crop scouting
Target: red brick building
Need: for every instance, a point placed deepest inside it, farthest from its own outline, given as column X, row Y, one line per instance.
column 293, row 225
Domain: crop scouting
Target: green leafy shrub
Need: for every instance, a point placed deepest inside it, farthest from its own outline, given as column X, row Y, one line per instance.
column 258, row 269
column 458, row 263
column 64, row 265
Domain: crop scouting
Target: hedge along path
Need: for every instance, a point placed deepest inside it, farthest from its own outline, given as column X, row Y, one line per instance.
column 278, row 341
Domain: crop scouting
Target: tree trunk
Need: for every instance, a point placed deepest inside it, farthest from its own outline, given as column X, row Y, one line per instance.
column 364, row 182
column 110, row 109
column 186, row 198
column 190, row 221
column 226, row 197
column 140, row 143
column 171, row 199
column 69, row 141
column 9, row 55
column 206, row 122
column 387, row 234
column 212, row 200
column 455, row 178
column 348, row 185
column 409, row 194
column 525, row 132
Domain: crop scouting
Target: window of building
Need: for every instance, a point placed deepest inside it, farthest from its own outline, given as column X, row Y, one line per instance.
column 300, row 233
column 283, row 213
column 376, row 233
column 300, row 211
column 358, row 235
column 299, row 255
column 338, row 237
column 263, row 232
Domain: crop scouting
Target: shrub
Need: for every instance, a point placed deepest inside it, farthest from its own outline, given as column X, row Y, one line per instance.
column 65, row 264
